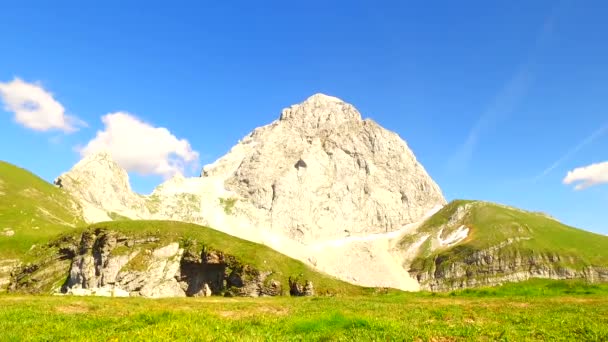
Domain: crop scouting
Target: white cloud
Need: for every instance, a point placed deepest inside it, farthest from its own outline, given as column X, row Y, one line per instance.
column 140, row 147
column 590, row 175
column 35, row 108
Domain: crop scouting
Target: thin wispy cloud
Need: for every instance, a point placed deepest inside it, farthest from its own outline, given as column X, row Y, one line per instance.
column 573, row 151
column 507, row 99
column 504, row 103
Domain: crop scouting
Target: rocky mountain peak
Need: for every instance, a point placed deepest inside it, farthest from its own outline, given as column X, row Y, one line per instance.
column 99, row 162
column 320, row 111
column 99, row 169
column 322, row 172
column 317, row 174
column 99, row 182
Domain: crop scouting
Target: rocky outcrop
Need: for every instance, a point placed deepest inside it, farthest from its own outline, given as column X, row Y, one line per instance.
column 6, row 268
column 146, row 268
column 102, row 187
column 319, row 172
column 105, row 263
column 498, row 265
column 48, row 273
column 301, row 289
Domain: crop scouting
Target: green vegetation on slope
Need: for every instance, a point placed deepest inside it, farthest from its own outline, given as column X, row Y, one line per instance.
column 522, row 233
column 256, row 255
column 33, row 209
column 195, row 238
column 535, row 310
column 38, row 214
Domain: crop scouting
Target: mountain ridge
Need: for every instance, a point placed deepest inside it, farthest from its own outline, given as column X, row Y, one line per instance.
column 320, row 172
column 337, row 192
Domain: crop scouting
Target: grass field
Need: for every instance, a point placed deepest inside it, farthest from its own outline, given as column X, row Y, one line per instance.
column 33, row 209
column 37, row 212
column 535, row 310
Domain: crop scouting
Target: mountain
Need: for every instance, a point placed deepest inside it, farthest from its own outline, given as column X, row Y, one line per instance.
column 46, row 247
column 471, row 244
column 102, row 187
column 322, row 172
column 342, row 196
column 319, row 173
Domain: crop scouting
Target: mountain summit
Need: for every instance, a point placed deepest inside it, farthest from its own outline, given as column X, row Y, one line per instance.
column 321, row 172
column 320, row 111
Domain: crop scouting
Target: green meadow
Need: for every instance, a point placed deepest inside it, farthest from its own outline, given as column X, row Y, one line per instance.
column 534, row 310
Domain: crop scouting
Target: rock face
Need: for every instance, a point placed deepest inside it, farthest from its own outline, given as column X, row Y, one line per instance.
column 296, row 288
column 102, row 187
column 498, row 265
column 6, row 267
column 106, row 263
column 321, row 172
column 150, row 273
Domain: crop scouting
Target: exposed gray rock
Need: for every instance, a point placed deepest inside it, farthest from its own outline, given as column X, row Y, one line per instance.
column 274, row 288
column 497, row 265
column 298, row 290
column 102, row 186
column 96, row 267
column 309, row 289
column 8, row 232
column 6, row 268
column 321, row 168
column 206, row 291
column 105, row 263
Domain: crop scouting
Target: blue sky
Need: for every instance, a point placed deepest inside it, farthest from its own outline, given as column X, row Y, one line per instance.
column 498, row 100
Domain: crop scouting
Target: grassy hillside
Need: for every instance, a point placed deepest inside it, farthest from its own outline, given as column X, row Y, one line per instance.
column 195, row 238
column 32, row 211
column 49, row 266
column 35, row 217
column 529, row 311
column 507, row 232
column 491, row 224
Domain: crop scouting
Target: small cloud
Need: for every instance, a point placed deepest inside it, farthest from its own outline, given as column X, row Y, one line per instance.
column 35, row 108
column 590, row 175
column 140, row 147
